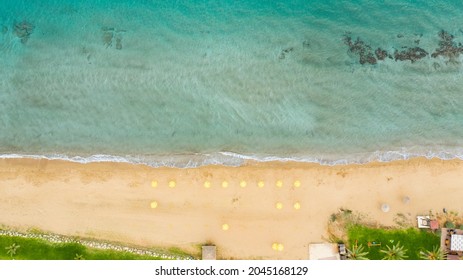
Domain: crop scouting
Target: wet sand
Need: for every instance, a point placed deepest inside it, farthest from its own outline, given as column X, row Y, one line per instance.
column 112, row 201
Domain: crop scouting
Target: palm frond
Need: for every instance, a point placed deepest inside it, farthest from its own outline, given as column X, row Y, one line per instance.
column 396, row 252
column 357, row 253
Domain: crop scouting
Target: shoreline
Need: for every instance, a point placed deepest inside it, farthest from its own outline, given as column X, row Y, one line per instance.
column 232, row 159
column 111, row 201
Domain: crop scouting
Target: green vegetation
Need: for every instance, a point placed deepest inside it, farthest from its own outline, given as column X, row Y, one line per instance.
column 369, row 240
column 449, row 219
column 396, row 252
column 357, row 253
column 449, row 225
column 12, row 249
column 179, row 252
column 388, row 241
column 21, row 248
column 435, row 254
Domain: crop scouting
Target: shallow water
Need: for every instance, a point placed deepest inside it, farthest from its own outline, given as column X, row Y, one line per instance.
column 199, row 82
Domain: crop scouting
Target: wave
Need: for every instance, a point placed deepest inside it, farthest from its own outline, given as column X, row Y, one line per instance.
column 236, row 159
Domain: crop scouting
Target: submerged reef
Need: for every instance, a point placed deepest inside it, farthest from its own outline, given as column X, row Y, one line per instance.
column 23, row 30
column 412, row 54
column 447, row 48
column 284, row 52
column 362, row 49
column 111, row 34
column 381, row 54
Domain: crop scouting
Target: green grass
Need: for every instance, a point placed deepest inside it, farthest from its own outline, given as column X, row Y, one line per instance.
column 38, row 249
column 178, row 252
column 412, row 239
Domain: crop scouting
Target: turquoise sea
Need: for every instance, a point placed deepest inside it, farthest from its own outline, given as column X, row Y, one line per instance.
column 191, row 82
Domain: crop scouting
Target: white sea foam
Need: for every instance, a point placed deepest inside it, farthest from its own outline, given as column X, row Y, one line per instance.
column 235, row 159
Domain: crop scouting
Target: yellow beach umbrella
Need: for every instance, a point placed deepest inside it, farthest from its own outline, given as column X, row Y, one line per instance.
column 154, row 204
column 207, row 184
column 297, row 206
column 243, row 184
column 224, row 184
column 297, row 183
column 279, row 205
column 280, row 247
column 260, row 184
column 275, row 246
column 225, row 227
column 154, row 184
column 172, row 184
column 279, row 183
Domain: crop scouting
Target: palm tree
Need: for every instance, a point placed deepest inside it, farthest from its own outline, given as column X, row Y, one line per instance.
column 357, row 253
column 435, row 254
column 396, row 252
column 11, row 250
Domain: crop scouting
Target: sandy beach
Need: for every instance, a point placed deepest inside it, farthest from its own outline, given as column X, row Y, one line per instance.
column 114, row 201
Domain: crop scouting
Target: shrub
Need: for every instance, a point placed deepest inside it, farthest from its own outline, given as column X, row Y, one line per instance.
column 449, row 225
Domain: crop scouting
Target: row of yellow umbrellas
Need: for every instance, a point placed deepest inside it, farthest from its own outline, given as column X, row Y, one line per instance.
column 225, row 184
column 279, row 205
